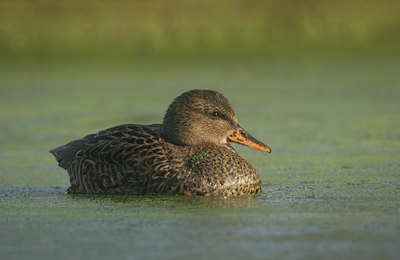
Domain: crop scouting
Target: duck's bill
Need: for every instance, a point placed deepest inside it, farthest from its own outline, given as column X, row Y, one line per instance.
column 244, row 138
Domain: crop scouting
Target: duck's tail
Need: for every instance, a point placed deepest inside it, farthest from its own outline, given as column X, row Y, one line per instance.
column 65, row 154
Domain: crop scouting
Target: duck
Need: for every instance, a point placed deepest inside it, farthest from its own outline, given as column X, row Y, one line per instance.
column 190, row 153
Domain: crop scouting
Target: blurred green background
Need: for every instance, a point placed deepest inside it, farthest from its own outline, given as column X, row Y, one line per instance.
column 141, row 29
column 318, row 81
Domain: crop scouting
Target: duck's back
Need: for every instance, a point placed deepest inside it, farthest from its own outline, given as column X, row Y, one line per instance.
column 126, row 159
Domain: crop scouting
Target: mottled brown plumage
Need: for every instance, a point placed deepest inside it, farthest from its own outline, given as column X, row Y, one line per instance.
column 189, row 154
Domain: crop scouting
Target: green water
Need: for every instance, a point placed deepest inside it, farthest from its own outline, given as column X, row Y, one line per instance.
column 331, row 183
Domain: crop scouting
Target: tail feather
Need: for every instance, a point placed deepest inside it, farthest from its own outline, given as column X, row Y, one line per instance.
column 65, row 154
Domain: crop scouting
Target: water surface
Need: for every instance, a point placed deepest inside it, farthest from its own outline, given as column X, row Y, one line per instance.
column 331, row 184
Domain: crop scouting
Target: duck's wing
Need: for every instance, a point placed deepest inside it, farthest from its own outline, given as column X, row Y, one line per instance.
column 116, row 160
column 65, row 154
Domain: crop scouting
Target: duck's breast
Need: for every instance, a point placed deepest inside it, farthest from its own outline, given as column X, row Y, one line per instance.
column 216, row 170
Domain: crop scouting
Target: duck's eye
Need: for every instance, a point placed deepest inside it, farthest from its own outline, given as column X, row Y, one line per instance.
column 215, row 114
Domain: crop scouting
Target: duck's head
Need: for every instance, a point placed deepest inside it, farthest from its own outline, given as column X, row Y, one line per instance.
column 205, row 117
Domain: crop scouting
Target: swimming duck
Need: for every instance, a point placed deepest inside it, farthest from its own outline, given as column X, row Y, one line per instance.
column 188, row 154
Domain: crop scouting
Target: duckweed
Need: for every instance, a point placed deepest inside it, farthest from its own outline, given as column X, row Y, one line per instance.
column 331, row 183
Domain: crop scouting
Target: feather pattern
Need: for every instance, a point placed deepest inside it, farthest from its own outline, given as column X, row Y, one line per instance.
column 143, row 160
